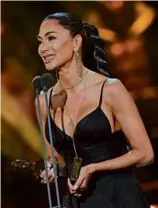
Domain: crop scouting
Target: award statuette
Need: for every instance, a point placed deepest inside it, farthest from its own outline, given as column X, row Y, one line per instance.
column 75, row 171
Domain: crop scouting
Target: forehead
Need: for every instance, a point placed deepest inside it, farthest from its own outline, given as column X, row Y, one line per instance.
column 52, row 25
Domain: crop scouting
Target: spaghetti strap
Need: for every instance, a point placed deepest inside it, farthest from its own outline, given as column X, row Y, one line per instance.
column 100, row 100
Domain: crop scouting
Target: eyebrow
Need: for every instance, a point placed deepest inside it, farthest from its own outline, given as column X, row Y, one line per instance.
column 39, row 37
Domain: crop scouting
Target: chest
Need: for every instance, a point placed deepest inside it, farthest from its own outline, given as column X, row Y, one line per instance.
column 75, row 108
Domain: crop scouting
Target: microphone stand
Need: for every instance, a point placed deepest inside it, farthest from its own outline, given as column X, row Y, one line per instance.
column 45, row 89
column 43, row 148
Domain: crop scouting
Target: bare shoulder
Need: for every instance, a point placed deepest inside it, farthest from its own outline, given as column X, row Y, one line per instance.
column 111, row 83
column 114, row 86
column 96, row 78
column 115, row 91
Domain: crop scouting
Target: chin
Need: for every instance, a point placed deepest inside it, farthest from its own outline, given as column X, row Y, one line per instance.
column 49, row 67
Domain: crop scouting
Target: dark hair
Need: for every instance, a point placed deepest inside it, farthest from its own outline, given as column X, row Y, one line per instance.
column 93, row 53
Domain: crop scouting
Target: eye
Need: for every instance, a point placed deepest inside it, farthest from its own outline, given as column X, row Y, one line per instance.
column 39, row 42
column 51, row 38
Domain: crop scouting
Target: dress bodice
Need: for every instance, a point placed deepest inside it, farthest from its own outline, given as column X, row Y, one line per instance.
column 93, row 138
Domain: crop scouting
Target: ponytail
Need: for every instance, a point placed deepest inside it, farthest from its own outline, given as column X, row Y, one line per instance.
column 93, row 49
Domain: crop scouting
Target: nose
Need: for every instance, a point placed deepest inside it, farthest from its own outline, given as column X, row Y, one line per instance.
column 43, row 48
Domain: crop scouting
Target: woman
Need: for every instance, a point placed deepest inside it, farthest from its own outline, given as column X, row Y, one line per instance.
column 85, row 106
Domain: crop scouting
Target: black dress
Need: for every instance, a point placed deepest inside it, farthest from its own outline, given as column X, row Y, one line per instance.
column 95, row 142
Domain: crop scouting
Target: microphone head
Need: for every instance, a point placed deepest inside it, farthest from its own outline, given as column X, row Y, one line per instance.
column 46, row 81
column 36, row 84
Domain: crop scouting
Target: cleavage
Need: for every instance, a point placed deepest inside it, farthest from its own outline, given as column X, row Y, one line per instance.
column 66, row 119
column 63, row 121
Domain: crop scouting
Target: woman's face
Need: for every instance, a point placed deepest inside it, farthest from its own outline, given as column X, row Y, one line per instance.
column 56, row 46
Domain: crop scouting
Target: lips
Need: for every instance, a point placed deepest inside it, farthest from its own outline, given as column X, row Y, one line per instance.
column 48, row 58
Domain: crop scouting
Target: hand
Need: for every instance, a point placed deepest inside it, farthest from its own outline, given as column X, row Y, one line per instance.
column 50, row 171
column 82, row 181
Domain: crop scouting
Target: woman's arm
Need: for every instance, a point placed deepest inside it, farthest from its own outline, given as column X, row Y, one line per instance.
column 122, row 105
column 126, row 113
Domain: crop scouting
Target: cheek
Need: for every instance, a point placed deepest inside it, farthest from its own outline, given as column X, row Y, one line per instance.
column 65, row 50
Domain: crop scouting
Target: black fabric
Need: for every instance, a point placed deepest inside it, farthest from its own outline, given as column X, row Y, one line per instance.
column 95, row 142
column 114, row 190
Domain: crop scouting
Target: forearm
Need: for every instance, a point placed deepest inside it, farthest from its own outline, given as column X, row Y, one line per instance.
column 132, row 158
column 52, row 152
column 58, row 158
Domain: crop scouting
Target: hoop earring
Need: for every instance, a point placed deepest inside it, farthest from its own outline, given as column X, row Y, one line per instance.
column 79, row 68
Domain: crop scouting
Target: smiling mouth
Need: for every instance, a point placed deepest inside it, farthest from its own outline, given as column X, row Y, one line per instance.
column 48, row 58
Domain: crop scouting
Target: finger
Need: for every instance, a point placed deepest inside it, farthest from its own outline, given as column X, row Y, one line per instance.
column 48, row 165
column 42, row 174
column 70, row 186
column 50, row 174
column 83, row 186
column 77, row 194
column 72, row 192
column 78, row 183
column 51, row 179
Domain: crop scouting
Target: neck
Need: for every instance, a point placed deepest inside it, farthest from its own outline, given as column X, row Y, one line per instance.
column 69, row 78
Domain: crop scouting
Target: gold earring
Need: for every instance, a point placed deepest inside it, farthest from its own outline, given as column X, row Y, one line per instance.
column 79, row 68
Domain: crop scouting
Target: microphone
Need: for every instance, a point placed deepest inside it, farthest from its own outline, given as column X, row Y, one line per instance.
column 46, row 83
column 36, row 84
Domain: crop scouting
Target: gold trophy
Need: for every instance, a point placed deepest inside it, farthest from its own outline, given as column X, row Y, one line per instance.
column 75, row 171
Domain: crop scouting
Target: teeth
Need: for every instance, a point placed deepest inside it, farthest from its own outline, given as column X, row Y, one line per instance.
column 49, row 57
